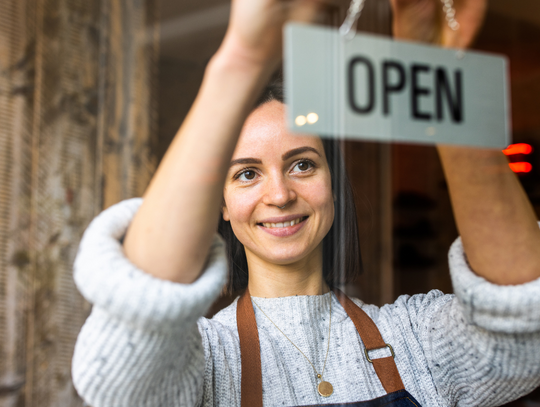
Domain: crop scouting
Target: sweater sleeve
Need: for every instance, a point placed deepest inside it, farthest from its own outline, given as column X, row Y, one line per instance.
column 483, row 346
column 140, row 346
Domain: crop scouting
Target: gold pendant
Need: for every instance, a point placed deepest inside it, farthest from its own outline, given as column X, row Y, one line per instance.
column 325, row 389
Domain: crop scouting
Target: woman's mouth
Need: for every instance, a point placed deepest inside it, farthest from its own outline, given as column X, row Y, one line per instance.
column 287, row 228
column 284, row 224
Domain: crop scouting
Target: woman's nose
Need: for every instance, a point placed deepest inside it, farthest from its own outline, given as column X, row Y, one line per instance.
column 279, row 191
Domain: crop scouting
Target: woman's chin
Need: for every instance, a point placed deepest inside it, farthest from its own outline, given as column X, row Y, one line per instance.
column 285, row 258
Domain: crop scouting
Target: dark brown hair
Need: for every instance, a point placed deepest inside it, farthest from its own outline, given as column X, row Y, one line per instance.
column 341, row 249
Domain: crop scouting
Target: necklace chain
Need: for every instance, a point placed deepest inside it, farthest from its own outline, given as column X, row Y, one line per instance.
column 348, row 30
column 319, row 375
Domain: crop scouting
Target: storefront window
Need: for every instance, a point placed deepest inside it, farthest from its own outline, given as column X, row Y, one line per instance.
column 91, row 98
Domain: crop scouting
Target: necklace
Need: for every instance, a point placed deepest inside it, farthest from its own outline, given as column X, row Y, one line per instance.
column 325, row 389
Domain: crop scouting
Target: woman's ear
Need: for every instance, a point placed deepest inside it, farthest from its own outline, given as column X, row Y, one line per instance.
column 225, row 212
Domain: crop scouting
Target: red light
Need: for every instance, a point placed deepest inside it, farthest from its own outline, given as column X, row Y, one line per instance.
column 521, row 167
column 519, row 148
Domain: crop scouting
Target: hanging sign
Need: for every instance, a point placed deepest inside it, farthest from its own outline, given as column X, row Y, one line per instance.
column 376, row 88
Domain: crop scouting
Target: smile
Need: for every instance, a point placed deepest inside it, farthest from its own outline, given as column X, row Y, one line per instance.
column 284, row 224
column 285, row 228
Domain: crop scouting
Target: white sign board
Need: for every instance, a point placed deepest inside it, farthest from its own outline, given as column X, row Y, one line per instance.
column 376, row 88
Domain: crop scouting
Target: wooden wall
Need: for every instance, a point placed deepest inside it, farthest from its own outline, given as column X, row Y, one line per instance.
column 76, row 118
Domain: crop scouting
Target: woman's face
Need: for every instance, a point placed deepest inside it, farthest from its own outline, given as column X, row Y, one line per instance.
column 272, row 168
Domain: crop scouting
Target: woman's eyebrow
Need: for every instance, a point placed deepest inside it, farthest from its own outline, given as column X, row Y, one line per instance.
column 299, row 150
column 245, row 161
column 285, row 156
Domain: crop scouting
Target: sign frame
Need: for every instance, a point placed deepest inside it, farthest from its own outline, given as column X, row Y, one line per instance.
column 324, row 74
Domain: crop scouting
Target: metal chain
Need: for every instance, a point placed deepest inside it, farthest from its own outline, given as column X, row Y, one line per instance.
column 319, row 376
column 450, row 11
column 348, row 28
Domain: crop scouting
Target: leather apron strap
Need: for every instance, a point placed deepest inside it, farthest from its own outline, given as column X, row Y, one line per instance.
column 385, row 368
column 250, row 353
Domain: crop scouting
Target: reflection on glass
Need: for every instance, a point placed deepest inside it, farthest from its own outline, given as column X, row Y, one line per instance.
column 300, row 120
column 312, row 118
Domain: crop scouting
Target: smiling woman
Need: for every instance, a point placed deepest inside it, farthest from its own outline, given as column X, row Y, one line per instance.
column 313, row 164
column 284, row 206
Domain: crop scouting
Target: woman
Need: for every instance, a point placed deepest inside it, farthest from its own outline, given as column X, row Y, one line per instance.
column 146, row 343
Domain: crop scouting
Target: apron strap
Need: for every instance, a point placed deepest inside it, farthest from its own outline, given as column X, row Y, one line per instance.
column 250, row 353
column 385, row 368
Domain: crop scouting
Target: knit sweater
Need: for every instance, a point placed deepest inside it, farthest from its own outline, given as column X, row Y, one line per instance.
column 146, row 342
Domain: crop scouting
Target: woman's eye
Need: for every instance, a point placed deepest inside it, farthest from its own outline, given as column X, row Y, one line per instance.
column 248, row 175
column 302, row 166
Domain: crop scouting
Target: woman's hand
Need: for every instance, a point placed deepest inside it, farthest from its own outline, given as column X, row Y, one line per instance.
column 425, row 21
column 493, row 214
column 256, row 26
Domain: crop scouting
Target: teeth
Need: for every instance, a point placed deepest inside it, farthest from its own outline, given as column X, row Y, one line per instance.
column 282, row 224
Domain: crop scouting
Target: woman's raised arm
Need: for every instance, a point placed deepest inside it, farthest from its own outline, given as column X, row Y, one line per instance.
column 171, row 234
column 494, row 217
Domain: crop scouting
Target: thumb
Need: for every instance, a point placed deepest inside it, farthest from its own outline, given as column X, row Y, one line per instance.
column 306, row 10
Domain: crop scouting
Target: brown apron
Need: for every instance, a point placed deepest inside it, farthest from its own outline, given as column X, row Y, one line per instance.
column 386, row 369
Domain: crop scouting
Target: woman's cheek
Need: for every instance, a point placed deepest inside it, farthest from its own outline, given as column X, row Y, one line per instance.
column 322, row 199
column 241, row 205
column 241, row 210
column 320, row 195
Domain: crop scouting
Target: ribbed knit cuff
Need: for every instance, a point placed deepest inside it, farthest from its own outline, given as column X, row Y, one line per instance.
column 509, row 309
column 107, row 279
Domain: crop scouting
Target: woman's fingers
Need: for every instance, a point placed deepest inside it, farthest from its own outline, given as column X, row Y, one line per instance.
column 257, row 25
column 417, row 20
column 305, row 11
column 425, row 20
column 470, row 16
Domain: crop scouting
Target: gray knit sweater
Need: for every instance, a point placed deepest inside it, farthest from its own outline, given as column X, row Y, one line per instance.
column 147, row 344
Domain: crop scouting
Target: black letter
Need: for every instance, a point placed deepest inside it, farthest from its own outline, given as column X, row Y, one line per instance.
column 387, row 88
column 455, row 103
column 418, row 91
column 371, row 85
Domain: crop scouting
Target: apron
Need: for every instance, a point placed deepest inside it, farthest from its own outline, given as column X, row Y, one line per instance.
column 385, row 368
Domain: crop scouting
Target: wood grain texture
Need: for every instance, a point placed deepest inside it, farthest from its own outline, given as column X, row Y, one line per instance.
column 127, row 132
column 77, row 113
column 17, row 51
